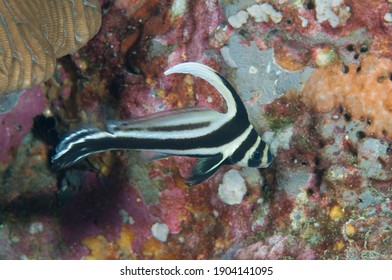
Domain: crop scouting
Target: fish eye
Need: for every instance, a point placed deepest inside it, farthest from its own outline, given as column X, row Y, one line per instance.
column 256, row 155
column 255, row 159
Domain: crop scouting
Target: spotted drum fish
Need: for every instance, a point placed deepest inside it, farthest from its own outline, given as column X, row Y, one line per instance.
column 215, row 138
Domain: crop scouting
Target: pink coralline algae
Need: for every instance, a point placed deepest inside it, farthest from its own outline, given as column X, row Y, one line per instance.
column 18, row 121
column 275, row 248
column 314, row 77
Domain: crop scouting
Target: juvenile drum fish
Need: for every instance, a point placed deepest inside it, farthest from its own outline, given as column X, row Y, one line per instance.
column 214, row 137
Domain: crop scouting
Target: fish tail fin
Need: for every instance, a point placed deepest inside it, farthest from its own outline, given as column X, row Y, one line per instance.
column 80, row 144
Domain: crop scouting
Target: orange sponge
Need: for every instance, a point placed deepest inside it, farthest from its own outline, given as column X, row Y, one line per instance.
column 364, row 91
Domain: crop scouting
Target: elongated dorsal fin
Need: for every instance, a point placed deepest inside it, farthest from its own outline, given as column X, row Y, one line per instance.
column 211, row 76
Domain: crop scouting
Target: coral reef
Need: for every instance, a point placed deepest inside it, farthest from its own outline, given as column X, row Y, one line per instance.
column 18, row 121
column 363, row 90
column 314, row 76
column 35, row 33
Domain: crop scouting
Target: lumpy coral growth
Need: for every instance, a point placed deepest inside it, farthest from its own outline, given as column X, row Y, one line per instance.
column 364, row 90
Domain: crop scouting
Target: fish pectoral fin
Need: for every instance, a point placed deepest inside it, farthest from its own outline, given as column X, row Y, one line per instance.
column 204, row 169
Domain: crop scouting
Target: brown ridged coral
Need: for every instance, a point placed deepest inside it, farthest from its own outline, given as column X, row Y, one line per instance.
column 34, row 33
column 364, row 91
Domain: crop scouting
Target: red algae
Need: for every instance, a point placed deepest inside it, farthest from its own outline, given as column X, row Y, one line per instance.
column 17, row 122
column 171, row 209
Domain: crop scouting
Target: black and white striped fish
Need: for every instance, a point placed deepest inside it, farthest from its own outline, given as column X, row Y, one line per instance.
column 214, row 137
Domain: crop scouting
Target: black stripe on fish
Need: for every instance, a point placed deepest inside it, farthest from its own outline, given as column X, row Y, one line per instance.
column 241, row 151
column 98, row 141
column 259, row 156
column 223, row 135
column 181, row 127
column 241, row 110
